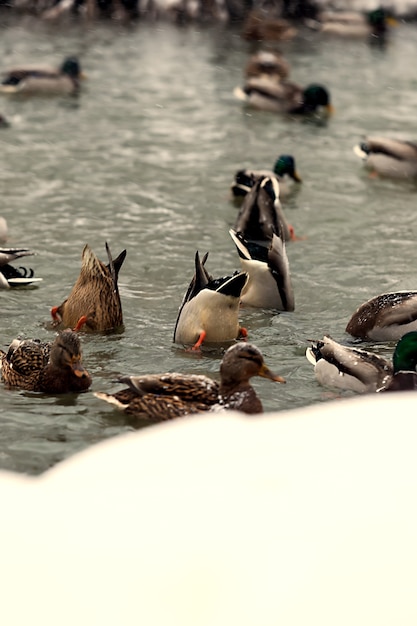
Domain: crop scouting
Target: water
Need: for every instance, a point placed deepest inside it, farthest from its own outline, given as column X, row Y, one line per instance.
column 143, row 160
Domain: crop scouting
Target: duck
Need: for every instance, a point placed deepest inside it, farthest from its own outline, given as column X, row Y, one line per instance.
column 36, row 80
column 261, row 213
column 159, row 397
column 386, row 317
column 285, row 97
column 263, row 25
column 49, row 367
column 269, row 284
column 269, row 63
column 284, row 170
column 388, row 157
column 93, row 304
column 11, row 276
column 361, row 371
column 209, row 311
column 372, row 25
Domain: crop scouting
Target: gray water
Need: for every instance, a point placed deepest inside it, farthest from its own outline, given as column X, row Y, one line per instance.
column 144, row 159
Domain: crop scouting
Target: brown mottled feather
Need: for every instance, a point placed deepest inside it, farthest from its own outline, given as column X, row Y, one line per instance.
column 52, row 368
column 166, row 396
column 95, row 295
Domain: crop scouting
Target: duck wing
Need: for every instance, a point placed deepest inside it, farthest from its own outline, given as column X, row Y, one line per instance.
column 389, row 314
column 396, row 148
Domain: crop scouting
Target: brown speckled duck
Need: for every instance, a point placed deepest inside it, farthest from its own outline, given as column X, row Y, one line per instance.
column 94, row 302
column 159, row 397
column 53, row 368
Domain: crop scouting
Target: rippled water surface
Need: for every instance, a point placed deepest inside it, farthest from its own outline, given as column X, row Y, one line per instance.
column 144, row 159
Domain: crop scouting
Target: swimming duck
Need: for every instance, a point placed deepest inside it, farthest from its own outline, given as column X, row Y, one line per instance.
column 269, row 63
column 266, row 26
column 261, row 213
column 165, row 396
column 372, row 25
column 284, row 171
column 35, row 80
column 260, row 92
column 55, row 367
column 394, row 158
column 11, row 276
column 94, row 302
column 358, row 370
column 386, row 317
column 209, row 311
column 269, row 283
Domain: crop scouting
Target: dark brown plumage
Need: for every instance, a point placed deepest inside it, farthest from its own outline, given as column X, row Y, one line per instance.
column 55, row 367
column 94, row 302
column 160, row 397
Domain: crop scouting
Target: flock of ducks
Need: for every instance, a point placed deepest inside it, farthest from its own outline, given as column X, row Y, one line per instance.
column 209, row 311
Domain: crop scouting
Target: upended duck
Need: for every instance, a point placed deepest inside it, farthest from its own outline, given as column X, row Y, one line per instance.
column 166, row 396
column 11, row 276
column 94, row 302
column 53, row 368
column 388, row 157
column 386, row 317
column 38, row 80
column 284, row 171
column 358, row 370
column 261, row 213
column 269, row 284
column 260, row 92
column 209, row 311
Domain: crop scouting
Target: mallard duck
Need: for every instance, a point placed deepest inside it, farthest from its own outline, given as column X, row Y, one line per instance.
column 209, row 311
column 386, row 317
column 260, row 92
column 55, row 367
column 373, row 25
column 284, row 171
column 35, row 80
column 394, row 158
column 94, row 302
column 261, row 213
column 358, row 370
column 269, row 63
column 265, row 26
column 166, row 396
column 11, row 276
column 269, row 283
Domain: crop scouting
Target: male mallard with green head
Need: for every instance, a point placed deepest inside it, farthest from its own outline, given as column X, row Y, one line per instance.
column 285, row 97
column 354, row 369
column 165, row 396
column 284, row 170
column 33, row 80
column 47, row 367
column 94, row 302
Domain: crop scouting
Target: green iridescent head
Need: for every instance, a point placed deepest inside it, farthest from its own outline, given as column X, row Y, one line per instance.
column 285, row 164
column 316, row 96
column 71, row 67
column 405, row 353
